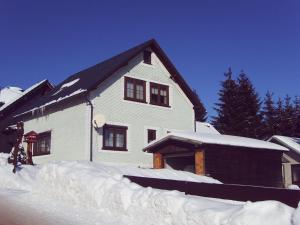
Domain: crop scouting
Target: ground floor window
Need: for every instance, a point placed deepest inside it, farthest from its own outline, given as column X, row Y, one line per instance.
column 296, row 174
column 43, row 144
column 114, row 137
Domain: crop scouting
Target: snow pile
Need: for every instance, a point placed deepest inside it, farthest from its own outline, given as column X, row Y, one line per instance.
column 202, row 127
column 95, row 186
column 294, row 187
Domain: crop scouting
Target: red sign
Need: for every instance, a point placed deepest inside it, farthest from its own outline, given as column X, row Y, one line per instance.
column 30, row 137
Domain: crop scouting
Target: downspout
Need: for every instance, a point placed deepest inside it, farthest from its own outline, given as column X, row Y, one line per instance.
column 91, row 127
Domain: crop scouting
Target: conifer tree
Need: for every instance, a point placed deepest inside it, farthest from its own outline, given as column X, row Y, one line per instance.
column 269, row 116
column 297, row 117
column 200, row 111
column 288, row 125
column 249, row 118
column 225, row 121
column 279, row 116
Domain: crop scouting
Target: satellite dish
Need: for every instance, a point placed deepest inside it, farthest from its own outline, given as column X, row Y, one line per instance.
column 99, row 120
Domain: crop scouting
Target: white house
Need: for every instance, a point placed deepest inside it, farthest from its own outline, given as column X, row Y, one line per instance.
column 291, row 159
column 110, row 111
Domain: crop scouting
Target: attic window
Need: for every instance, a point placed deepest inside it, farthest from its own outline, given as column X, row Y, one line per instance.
column 147, row 57
column 135, row 90
column 159, row 94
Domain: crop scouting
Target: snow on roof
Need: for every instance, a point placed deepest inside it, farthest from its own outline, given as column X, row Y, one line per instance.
column 9, row 95
column 218, row 139
column 15, row 93
column 65, row 85
column 206, row 128
column 41, row 107
column 289, row 142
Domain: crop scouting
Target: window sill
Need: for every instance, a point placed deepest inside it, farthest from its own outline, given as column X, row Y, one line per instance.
column 115, row 149
column 41, row 154
column 135, row 100
column 167, row 106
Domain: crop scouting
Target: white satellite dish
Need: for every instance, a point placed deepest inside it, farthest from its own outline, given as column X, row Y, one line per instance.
column 99, row 120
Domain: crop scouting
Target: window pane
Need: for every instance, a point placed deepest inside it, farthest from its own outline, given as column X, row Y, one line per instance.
column 130, row 90
column 109, row 138
column 120, row 143
column 139, row 92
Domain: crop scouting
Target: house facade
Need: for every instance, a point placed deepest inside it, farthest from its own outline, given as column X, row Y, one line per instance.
column 290, row 159
column 13, row 100
column 139, row 96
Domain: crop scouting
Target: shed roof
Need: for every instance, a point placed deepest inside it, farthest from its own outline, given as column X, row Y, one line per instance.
column 215, row 139
column 292, row 143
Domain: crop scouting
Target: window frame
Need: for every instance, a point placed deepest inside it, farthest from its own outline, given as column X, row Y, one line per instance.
column 135, row 83
column 160, row 87
column 36, row 151
column 148, row 132
column 115, row 129
column 147, row 57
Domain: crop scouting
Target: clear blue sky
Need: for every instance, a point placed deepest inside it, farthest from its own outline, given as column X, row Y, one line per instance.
column 54, row 39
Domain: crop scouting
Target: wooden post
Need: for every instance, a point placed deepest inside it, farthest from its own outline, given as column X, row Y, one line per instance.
column 29, row 153
column 158, row 162
column 199, row 162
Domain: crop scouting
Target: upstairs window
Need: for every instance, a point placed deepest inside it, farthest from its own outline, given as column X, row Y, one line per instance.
column 135, row 90
column 114, row 138
column 151, row 135
column 147, row 57
column 159, row 94
column 43, row 144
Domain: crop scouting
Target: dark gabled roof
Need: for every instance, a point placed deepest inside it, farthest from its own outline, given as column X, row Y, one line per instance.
column 90, row 78
column 26, row 95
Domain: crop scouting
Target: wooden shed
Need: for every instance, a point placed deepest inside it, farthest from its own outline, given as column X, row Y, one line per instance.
column 230, row 159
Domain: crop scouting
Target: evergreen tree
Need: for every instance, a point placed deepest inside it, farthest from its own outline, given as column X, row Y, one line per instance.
column 288, row 125
column 225, row 121
column 280, row 117
column 249, row 120
column 269, row 116
column 297, row 117
column 200, row 111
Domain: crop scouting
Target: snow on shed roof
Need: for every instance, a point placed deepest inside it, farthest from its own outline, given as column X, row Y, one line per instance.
column 289, row 142
column 217, row 139
column 206, row 128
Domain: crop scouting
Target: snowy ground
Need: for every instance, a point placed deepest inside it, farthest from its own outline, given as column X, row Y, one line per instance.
column 77, row 193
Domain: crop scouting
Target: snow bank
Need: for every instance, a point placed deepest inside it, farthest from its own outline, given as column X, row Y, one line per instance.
column 103, row 188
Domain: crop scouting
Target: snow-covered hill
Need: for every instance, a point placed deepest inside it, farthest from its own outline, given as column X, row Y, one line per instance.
column 90, row 193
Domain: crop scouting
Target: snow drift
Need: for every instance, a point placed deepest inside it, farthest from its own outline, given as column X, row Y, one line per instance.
column 102, row 187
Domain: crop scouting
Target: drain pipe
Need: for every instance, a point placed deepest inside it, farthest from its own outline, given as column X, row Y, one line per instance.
column 91, row 127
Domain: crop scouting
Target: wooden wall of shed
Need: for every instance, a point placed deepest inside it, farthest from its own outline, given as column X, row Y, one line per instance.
column 244, row 166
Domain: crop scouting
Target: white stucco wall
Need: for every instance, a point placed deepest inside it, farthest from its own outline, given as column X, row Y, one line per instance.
column 109, row 101
column 69, row 133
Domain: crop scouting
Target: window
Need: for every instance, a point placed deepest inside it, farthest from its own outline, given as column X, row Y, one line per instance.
column 151, row 135
column 114, row 138
column 135, row 90
column 159, row 94
column 147, row 57
column 43, row 144
column 296, row 174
